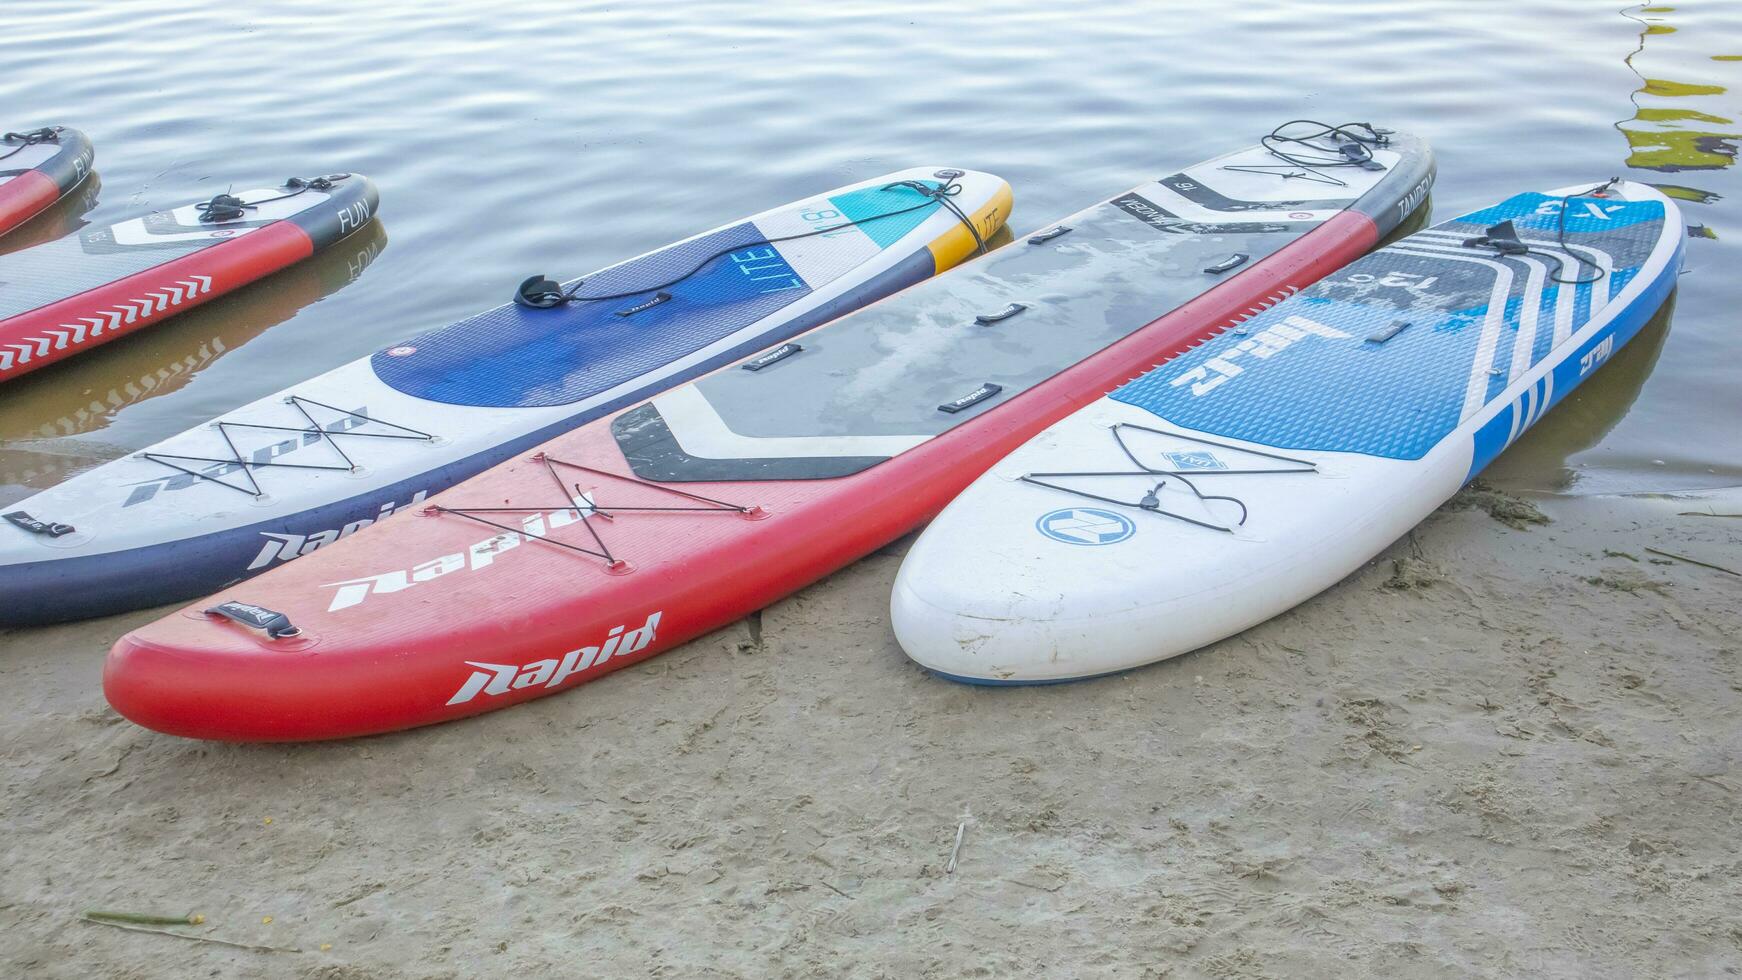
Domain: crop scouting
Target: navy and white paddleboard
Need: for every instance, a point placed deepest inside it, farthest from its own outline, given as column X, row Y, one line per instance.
column 1248, row 474
column 302, row 468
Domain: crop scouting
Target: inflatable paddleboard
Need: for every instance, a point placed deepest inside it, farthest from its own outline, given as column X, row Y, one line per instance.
column 70, row 295
column 38, row 168
column 300, row 469
column 1241, row 478
column 676, row 516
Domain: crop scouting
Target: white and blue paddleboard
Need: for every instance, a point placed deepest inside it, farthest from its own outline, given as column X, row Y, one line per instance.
column 305, row 467
column 1244, row 476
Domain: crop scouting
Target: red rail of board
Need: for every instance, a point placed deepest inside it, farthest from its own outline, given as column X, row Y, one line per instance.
column 40, row 337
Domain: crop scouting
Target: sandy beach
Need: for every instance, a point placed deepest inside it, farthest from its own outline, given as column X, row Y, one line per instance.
column 1504, row 748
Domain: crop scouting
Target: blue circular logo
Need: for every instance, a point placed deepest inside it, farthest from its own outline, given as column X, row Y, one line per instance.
column 1085, row 525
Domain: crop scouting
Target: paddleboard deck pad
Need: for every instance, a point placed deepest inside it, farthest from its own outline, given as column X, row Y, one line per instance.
column 676, row 516
column 37, row 168
column 1268, row 463
column 300, row 469
column 72, row 294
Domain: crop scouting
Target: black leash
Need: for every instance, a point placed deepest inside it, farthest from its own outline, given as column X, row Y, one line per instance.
column 229, row 207
column 542, row 293
column 1307, row 155
column 25, row 140
column 1503, row 238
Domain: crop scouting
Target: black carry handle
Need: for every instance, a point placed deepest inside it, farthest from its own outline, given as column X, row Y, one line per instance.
column 51, row 529
column 274, row 624
column 1004, row 314
column 772, row 357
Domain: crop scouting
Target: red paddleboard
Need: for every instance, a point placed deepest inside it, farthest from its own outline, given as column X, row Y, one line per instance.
column 639, row 531
column 37, row 168
column 72, row 294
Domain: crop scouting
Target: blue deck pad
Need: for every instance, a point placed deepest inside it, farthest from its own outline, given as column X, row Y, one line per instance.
column 1304, row 375
column 513, row 357
column 871, row 202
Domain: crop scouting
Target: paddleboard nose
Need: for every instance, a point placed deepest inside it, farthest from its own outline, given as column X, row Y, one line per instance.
column 983, row 631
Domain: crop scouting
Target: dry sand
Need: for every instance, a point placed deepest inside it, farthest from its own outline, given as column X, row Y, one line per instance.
column 1495, row 751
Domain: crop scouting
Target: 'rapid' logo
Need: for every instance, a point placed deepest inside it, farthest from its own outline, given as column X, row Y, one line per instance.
column 284, row 547
column 499, row 679
column 481, row 555
column 1268, row 343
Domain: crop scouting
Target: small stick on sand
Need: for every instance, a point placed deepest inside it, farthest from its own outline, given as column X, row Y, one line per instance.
column 146, row 919
column 961, row 828
column 1695, row 561
column 197, row 939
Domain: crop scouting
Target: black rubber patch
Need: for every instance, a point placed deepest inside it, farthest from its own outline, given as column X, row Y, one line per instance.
column 49, row 529
column 768, row 358
column 972, row 398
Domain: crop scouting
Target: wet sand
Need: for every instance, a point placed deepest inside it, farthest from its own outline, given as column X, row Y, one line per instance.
column 1504, row 748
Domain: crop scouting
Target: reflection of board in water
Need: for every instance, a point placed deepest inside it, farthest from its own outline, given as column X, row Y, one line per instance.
column 1540, row 457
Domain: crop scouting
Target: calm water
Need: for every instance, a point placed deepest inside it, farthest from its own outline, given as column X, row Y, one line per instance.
column 559, row 137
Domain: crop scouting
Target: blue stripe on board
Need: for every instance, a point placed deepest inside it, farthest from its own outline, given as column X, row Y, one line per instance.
column 868, row 202
column 1497, row 433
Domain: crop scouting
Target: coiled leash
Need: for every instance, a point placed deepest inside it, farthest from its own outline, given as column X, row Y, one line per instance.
column 25, row 140
column 1306, row 156
column 1503, row 238
column 542, row 293
column 229, row 207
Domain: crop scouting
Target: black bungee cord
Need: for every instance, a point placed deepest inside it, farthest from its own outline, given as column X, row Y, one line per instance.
column 1306, row 156
column 1504, row 239
column 30, row 138
column 229, row 207
column 542, row 293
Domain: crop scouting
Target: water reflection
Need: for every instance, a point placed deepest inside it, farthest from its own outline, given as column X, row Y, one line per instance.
column 1683, row 123
column 1588, row 414
column 42, row 410
column 1672, row 130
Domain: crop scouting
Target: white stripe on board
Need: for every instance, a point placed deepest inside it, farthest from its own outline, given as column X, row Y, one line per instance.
column 701, row 431
column 1563, row 322
column 1476, row 391
column 1529, row 310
